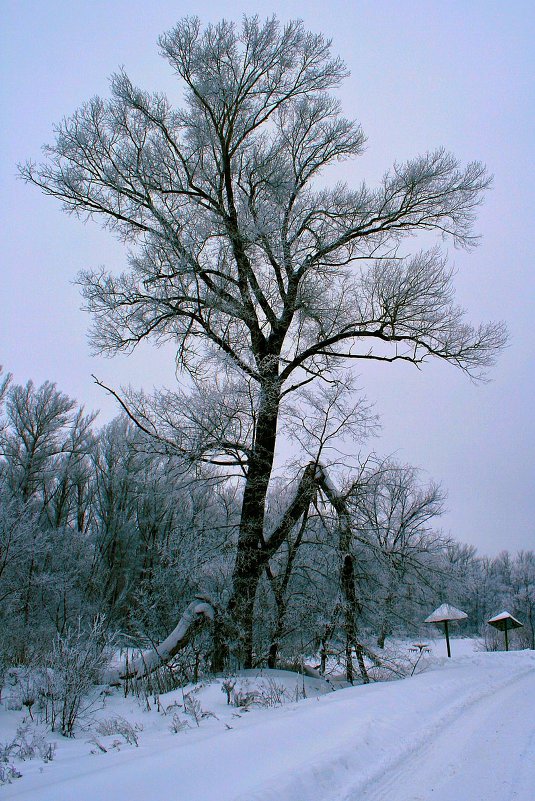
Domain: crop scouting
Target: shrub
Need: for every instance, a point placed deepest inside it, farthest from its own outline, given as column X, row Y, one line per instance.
column 28, row 743
column 177, row 724
column 242, row 696
column 119, row 725
column 8, row 773
column 272, row 694
column 268, row 693
column 76, row 663
column 193, row 708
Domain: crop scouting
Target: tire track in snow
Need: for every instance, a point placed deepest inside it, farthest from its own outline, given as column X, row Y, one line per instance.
column 477, row 734
column 523, row 784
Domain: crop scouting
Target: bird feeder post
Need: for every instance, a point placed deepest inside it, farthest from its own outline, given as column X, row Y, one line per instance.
column 447, row 638
column 444, row 614
column 505, row 621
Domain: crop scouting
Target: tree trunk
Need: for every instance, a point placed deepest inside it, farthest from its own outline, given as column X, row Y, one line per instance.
column 362, row 665
column 323, row 657
column 349, row 659
column 350, row 603
column 382, row 635
column 347, row 581
column 252, row 555
column 385, row 625
column 273, row 654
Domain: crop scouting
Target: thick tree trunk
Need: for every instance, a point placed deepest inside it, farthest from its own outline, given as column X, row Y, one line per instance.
column 273, row 654
column 251, row 554
column 249, row 567
column 254, row 550
column 385, row 629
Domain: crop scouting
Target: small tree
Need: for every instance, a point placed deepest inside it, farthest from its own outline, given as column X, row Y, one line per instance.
column 75, row 664
column 260, row 276
column 393, row 518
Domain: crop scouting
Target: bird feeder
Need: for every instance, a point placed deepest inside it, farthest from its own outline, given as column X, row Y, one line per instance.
column 505, row 622
column 444, row 614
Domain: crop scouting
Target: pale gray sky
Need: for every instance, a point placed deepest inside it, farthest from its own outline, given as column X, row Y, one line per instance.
column 424, row 74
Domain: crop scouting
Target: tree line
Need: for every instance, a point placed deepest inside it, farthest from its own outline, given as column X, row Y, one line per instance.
column 96, row 523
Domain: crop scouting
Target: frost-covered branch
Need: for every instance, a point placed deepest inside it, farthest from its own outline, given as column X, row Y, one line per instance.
column 198, row 612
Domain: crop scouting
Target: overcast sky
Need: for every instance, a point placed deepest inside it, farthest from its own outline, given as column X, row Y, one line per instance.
column 423, row 74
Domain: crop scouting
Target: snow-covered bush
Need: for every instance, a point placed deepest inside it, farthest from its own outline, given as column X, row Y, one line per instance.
column 8, row 773
column 266, row 692
column 118, row 725
column 228, row 686
column 25, row 687
column 76, row 664
column 270, row 693
column 242, row 696
column 178, row 724
column 396, row 662
column 29, row 743
column 193, row 708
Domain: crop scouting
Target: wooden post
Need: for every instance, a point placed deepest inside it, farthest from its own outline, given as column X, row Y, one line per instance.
column 506, row 637
column 447, row 637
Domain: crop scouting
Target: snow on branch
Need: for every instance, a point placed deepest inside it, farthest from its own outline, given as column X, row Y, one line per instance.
column 196, row 614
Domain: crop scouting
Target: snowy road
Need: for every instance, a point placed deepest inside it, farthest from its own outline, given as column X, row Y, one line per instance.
column 464, row 730
column 485, row 753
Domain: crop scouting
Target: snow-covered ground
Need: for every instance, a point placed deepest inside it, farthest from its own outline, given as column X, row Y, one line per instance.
column 462, row 730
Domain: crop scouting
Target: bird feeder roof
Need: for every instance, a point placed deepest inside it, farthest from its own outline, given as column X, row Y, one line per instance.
column 505, row 619
column 445, row 612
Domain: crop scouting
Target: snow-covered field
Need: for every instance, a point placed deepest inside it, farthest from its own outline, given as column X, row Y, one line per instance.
column 462, row 730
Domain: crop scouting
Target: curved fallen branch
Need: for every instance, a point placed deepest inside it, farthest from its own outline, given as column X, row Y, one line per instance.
column 196, row 614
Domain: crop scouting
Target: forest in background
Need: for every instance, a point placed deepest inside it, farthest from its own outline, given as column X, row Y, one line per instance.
column 96, row 524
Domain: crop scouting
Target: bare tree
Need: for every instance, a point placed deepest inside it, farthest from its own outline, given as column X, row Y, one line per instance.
column 393, row 519
column 44, row 500
column 524, row 585
column 254, row 271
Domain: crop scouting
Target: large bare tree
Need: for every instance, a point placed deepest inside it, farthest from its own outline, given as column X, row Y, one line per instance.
column 258, row 273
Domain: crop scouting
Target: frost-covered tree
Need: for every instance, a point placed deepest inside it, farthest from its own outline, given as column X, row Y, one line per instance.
column 524, row 592
column 45, row 480
column 265, row 279
column 158, row 530
column 393, row 520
